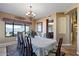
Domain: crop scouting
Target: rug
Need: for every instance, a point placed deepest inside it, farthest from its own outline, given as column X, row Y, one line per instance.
column 11, row 50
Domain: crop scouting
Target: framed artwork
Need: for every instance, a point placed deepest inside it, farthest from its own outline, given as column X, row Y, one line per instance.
column 39, row 27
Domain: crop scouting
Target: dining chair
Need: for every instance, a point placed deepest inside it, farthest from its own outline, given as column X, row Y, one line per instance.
column 28, row 47
column 20, row 43
column 58, row 52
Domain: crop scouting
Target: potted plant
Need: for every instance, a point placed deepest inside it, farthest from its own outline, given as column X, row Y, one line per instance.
column 33, row 33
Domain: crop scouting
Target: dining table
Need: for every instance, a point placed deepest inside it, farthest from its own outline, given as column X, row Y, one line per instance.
column 41, row 46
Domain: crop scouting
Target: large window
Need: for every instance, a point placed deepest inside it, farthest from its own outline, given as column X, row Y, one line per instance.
column 27, row 28
column 39, row 26
column 12, row 29
column 9, row 29
column 18, row 28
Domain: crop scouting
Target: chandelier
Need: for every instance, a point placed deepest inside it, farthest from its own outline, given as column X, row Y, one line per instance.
column 30, row 13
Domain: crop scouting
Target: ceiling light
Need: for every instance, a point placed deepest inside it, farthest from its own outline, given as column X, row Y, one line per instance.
column 30, row 13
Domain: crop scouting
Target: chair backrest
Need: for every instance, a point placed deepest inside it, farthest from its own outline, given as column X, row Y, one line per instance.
column 20, row 37
column 59, row 47
column 49, row 35
column 26, row 46
column 20, row 41
column 29, row 46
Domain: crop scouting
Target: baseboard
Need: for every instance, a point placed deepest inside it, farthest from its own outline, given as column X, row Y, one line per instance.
column 66, row 44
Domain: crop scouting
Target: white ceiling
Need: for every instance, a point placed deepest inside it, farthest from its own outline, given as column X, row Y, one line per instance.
column 41, row 9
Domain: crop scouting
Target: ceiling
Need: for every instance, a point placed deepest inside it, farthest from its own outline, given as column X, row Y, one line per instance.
column 41, row 9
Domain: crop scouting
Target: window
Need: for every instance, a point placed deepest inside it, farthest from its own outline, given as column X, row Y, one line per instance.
column 12, row 29
column 18, row 28
column 50, row 28
column 27, row 28
column 39, row 27
column 9, row 29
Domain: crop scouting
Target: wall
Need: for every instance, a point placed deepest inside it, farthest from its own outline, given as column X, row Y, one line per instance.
column 33, row 26
column 62, row 25
column 2, row 29
column 78, row 29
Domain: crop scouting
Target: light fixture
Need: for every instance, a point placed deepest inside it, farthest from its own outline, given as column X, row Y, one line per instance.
column 30, row 13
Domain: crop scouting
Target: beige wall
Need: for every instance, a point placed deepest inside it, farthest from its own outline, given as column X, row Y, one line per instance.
column 78, row 29
column 2, row 29
column 33, row 26
column 62, row 25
